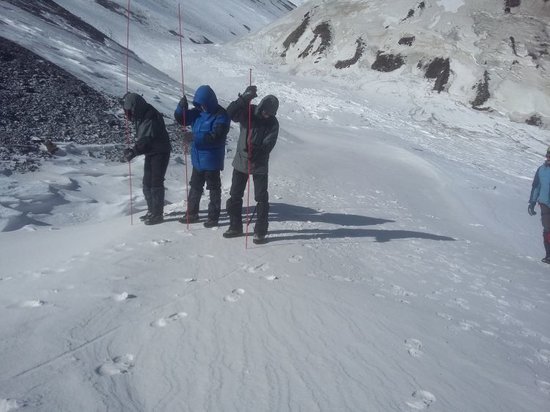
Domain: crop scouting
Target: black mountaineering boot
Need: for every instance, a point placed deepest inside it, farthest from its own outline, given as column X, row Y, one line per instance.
column 193, row 203
column 211, row 223
column 259, row 239
column 149, row 201
column 546, row 236
column 146, row 216
column 154, row 220
column 233, row 232
column 157, row 214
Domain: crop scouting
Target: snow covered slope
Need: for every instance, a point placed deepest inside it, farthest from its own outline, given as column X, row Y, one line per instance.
column 402, row 272
column 487, row 54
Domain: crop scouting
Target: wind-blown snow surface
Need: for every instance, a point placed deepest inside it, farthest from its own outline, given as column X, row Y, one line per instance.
column 402, row 271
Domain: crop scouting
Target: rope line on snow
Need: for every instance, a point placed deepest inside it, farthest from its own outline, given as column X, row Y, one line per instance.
column 127, row 124
column 185, row 145
column 249, row 144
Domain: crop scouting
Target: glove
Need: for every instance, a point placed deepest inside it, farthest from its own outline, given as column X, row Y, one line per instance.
column 183, row 103
column 531, row 209
column 250, row 93
column 129, row 154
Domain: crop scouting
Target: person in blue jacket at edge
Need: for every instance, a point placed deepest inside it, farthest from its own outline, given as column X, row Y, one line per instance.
column 540, row 192
column 210, row 124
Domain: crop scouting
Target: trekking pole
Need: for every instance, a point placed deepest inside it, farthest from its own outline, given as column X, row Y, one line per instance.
column 249, row 144
column 184, row 123
column 127, row 124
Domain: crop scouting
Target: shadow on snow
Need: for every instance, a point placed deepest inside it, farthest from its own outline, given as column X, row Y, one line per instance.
column 281, row 212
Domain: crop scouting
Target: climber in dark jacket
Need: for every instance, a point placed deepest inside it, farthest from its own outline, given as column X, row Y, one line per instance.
column 252, row 158
column 210, row 125
column 152, row 140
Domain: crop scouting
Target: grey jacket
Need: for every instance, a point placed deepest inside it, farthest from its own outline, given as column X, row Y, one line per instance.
column 262, row 139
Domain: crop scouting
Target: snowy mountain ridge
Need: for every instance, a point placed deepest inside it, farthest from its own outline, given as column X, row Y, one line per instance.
column 486, row 54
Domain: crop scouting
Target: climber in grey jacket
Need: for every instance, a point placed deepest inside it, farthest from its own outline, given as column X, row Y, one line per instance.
column 252, row 158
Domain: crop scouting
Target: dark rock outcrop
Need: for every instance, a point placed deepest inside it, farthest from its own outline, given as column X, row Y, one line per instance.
column 407, row 41
column 387, row 62
column 321, row 31
column 439, row 69
column 296, row 34
column 482, row 94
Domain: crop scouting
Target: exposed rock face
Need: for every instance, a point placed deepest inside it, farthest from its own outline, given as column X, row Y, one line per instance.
column 451, row 42
column 482, row 94
column 295, row 35
column 322, row 32
column 439, row 69
column 387, row 62
column 41, row 102
column 407, row 41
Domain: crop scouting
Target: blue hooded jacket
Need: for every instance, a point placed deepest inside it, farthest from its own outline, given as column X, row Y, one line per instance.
column 210, row 125
column 540, row 189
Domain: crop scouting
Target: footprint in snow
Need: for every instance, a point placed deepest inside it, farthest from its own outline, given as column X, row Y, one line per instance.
column 116, row 366
column 163, row 322
column 543, row 356
column 271, row 277
column 121, row 297
column 7, row 405
column 421, row 400
column 544, row 386
column 253, row 269
column 36, row 303
column 444, row 316
column 414, row 347
column 159, row 242
column 459, row 302
column 295, row 259
column 234, row 296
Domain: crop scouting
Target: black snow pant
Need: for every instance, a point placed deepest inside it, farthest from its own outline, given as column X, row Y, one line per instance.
column 154, row 171
column 234, row 204
column 213, row 185
column 545, row 218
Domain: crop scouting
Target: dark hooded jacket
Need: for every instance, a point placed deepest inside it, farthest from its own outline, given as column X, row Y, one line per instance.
column 151, row 134
column 263, row 137
column 209, row 127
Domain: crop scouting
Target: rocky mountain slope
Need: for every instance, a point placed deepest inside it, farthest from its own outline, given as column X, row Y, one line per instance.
column 491, row 55
column 57, row 60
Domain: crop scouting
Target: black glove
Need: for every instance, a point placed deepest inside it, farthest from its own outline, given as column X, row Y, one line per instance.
column 531, row 209
column 250, row 93
column 129, row 154
column 183, row 103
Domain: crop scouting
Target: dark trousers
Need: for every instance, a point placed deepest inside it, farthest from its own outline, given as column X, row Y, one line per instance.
column 154, row 171
column 235, row 202
column 213, row 185
column 545, row 219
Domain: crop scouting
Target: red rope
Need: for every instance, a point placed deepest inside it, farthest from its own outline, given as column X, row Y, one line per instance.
column 184, row 122
column 127, row 125
column 249, row 144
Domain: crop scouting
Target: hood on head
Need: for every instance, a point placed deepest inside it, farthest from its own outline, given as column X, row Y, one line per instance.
column 205, row 96
column 134, row 104
column 269, row 104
